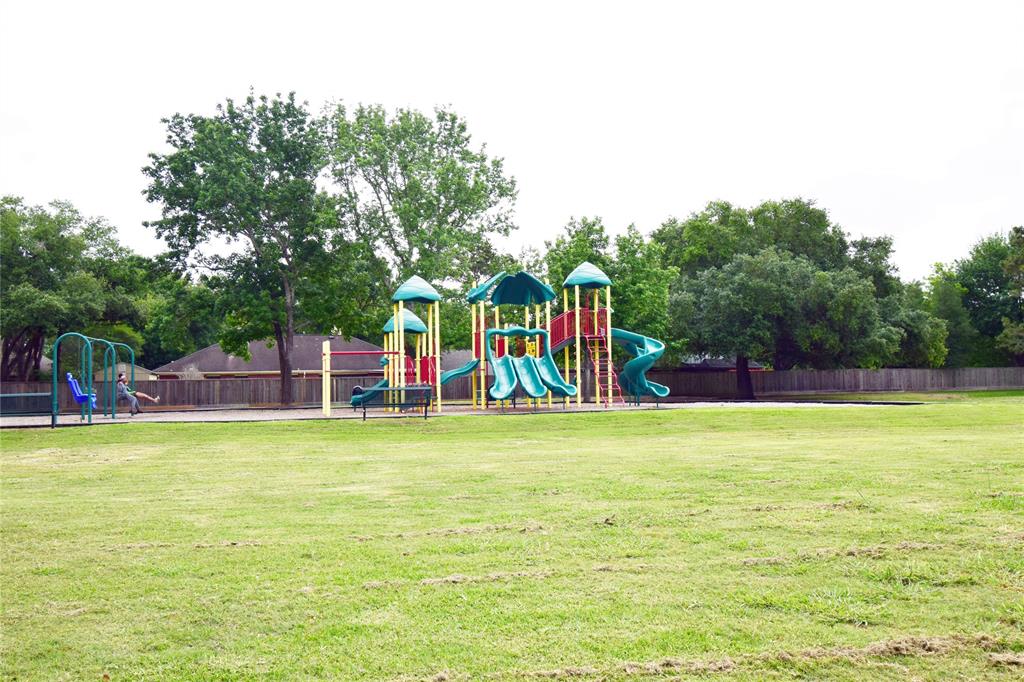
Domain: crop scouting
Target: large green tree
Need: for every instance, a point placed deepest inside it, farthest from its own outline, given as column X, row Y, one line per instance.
column 641, row 285
column 785, row 311
column 246, row 177
column 1011, row 338
column 583, row 239
column 980, row 299
column 418, row 189
column 708, row 239
column 987, row 294
column 59, row 271
column 945, row 301
column 858, row 297
column 181, row 317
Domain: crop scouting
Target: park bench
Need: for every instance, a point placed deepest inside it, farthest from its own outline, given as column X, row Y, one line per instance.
column 414, row 396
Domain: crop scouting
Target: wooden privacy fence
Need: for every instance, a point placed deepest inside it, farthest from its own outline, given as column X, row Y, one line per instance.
column 266, row 391
column 723, row 384
column 210, row 393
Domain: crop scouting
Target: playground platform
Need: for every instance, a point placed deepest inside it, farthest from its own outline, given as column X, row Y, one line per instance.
column 342, row 412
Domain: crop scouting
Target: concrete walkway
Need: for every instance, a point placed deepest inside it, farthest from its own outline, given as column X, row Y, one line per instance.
column 303, row 413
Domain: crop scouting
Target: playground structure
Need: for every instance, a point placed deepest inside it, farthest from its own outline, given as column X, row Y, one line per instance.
column 586, row 325
column 85, row 396
column 420, row 368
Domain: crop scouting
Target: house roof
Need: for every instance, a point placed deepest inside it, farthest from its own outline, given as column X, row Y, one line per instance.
column 305, row 356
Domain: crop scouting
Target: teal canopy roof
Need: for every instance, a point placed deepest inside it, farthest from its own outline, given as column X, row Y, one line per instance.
column 588, row 276
column 416, row 290
column 522, row 288
column 479, row 293
column 410, row 320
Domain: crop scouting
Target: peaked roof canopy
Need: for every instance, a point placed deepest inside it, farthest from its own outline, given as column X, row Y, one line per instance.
column 410, row 321
column 416, row 290
column 588, row 276
column 522, row 288
column 479, row 292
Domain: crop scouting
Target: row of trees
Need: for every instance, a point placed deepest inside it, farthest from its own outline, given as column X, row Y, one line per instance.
column 279, row 221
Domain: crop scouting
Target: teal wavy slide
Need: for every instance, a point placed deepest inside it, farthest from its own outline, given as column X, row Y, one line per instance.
column 459, row 372
column 368, row 393
column 645, row 352
column 552, row 379
column 505, row 380
column 529, row 376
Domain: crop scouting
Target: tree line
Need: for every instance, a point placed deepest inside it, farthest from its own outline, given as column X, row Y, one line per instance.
column 280, row 221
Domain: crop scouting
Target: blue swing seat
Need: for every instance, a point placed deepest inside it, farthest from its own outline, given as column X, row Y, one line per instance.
column 76, row 392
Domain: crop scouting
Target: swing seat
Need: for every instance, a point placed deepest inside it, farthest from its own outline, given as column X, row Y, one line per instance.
column 77, row 394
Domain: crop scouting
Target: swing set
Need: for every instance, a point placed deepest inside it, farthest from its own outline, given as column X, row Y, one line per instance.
column 82, row 388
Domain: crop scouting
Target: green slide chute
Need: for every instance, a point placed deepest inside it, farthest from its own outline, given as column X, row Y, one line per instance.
column 645, row 352
column 368, row 393
column 529, row 376
column 460, row 372
column 552, row 379
column 505, row 380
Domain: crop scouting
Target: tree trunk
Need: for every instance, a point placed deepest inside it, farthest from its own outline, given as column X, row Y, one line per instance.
column 21, row 355
column 284, row 357
column 286, row 341
column 744, row 386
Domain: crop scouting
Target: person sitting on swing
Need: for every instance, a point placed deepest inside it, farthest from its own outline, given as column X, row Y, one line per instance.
column 132, row 397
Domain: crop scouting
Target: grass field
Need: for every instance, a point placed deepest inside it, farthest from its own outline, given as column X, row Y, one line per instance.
column 837, row 543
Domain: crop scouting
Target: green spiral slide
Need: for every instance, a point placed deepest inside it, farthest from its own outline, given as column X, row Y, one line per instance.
column 645, row 352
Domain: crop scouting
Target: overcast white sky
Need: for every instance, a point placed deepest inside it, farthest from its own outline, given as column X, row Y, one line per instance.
column 899, row 118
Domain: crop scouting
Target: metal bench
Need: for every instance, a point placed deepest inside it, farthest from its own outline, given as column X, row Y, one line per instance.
column 415, row 396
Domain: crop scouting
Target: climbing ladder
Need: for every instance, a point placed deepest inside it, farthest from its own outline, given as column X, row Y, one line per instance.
column 597, row 349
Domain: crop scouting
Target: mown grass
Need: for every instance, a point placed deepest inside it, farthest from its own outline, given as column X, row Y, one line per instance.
column 839, row 543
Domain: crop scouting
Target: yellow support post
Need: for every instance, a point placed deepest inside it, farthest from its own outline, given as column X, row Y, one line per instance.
column 547, row 327
column 387, row 369
column 526, row 310
column 483, row 356
column 437, row 348
column 401, row 350
column 419, row 354
column 325, row 377
column 428, row 347
column 565, row 348
column 597, row 357
column 472, row 346
column 579, row 339
column 608, row 336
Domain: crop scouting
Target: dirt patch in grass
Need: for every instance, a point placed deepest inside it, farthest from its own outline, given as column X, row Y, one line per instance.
column 900, row 647
column 140, row 545
column 871, row 551
column 613, row 568
column 522, row 527
column 824, row 506
column 457, row 579
column 766, row 508
column 228, row 543
column 1008, row 659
